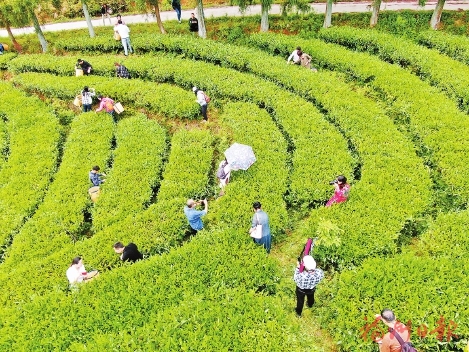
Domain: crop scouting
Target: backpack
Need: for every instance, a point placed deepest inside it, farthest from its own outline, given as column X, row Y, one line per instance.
column 207, row 98
column 405, row 346
column 221, row 171
column 108, row 106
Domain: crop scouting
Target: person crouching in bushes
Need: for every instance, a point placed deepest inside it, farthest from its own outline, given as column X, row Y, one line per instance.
column 85, row 66
column 128, row 253
column 77, row 273
column 342, row 190
column 87, row 98
column 95, row 176
column 107, row 104
column 296, row 56
column 121, row 71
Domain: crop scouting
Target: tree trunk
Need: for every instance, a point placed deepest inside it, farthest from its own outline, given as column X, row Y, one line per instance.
column 328, row 17
column 201, row 18
column 17, row 45
column 436, row 17
column 158, row 18
column 375, row 13
column 38, row 30
column 264, row 18
column 88, row 19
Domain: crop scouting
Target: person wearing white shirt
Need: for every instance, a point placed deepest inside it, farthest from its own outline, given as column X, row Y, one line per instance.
column 77, row 273
column 296, row 56
column 124, row 31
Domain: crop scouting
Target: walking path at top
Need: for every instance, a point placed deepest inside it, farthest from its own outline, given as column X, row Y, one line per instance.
column 230, row 11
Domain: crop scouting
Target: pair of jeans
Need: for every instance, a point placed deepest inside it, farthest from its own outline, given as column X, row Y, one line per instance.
column 300, row 298
column 86, row 107
column 203, row 110
column 178, row 12
column 127, row 46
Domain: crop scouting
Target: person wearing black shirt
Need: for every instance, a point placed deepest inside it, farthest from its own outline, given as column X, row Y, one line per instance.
column 85, row 66
column 128, row 253
column 193, row 24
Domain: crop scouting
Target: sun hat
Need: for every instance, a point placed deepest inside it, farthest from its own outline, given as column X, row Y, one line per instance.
column 309, row 262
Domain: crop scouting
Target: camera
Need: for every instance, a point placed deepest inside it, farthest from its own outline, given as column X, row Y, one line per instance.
column 332, row 182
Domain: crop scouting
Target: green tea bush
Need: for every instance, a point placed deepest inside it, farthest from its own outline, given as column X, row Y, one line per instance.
column 61, row 212
column 171, row 101
column 25, row 177
column 265, row 181
column 455, row 46
column 198, row 295
column 420, row 290
column 380, row 157
column 450, row 76
column 428, row 114
column 300, row 120
column 4, row 60
column 136, row 169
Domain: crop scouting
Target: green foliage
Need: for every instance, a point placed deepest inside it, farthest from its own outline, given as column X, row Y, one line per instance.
column 168, row 100
column 419, row 290
column 136, row 169
column 25, row 177
column 455, row 46
column 450, row 76
column 4, row 60
column 431, row 117
column 264, row 181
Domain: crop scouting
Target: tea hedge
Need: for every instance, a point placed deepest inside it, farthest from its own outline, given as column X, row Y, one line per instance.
column 352, row 113
column 25, row 177
column 196, row 296
column 168, row 100
column 4, row 60
column 135, row 174
column 298, row 119
column 420, row 290
column 436, row 124
column 455, row 46
column 157, row 229
column 61, row 212
column 265, row 181
column 450, row 76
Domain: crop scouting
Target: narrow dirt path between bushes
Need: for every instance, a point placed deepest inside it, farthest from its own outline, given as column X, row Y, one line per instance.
column 233, row 11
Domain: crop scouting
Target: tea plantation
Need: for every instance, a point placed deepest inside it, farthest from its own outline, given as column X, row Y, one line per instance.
column 387, row 112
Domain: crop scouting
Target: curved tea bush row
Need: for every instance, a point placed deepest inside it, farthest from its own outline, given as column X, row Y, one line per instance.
column 379, row 144
column 4, row 140
column 137, row 166
column 4, row 60
column 450, row 76
column 202, row 294
column 314, row 159
column 455, row 46
column 418, row 289
column 171, row 101
column 61, row 213
column 440, row 125
column 155, row 230
column 25, row 177
column 264, row 181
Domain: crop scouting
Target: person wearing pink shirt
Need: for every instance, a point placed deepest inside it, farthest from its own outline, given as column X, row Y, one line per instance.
column 342, row 190
column 106, row 104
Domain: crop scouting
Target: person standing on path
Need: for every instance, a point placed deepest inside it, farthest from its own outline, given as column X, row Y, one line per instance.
column 261, row 218
column 87, row 98
column 176, row 4
column 105, row 9
column 202, row 101
column 124, row 33
column 193, row 24
column 306, row 283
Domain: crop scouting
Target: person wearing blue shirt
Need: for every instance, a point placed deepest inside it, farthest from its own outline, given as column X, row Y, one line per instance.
column 261, row 218
column 194, row 216
column 95, row 176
